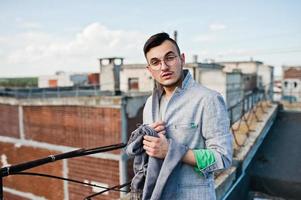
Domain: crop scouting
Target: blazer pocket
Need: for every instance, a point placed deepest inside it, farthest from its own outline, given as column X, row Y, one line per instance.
column 182, row 133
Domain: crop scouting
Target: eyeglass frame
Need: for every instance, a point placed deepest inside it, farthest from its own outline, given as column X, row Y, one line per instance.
column 159, row 66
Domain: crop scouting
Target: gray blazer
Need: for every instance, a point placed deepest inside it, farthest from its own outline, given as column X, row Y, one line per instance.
column 197, row 118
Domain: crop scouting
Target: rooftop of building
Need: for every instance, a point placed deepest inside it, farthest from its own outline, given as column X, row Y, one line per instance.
column 189, row 65
column 60, row 92
column 241, row 62
column 292, row 72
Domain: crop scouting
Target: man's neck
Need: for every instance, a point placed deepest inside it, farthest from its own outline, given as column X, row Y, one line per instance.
column 170, row 89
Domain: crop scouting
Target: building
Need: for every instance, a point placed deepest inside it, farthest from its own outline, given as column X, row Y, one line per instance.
column 135, row 78
column 256, row 75
column 233, row 80
column 65, row 79
column 211, row 75
column 291, row 83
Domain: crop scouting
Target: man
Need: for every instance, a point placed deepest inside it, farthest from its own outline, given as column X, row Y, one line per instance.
column 182, row 110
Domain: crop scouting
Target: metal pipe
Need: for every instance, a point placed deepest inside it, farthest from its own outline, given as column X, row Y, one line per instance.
column 123, row 162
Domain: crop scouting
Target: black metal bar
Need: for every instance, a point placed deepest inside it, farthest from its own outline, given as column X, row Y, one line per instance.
column 1, row 188
column 80, row 152
column 5, row 171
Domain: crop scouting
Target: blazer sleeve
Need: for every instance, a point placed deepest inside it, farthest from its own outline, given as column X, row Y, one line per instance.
column 216, row 132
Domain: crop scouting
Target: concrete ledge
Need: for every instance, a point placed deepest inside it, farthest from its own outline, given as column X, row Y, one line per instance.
column 225, row 181
column 99, row 101
column 245, row 154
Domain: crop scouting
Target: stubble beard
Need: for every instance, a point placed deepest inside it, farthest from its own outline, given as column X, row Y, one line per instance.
column 175, row 83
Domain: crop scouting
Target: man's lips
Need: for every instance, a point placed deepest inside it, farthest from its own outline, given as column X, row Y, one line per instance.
column 166, row 74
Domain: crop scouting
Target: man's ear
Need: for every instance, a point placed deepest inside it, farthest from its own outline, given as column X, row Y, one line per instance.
column 183, row 58
column 147, row 67
column 149, row 70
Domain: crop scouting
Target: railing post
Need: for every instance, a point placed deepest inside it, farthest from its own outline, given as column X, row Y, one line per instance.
column 58, row 92
column 76, row 91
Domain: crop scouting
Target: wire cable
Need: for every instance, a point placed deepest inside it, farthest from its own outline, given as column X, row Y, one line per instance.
column 106, row 190
column 67, row 179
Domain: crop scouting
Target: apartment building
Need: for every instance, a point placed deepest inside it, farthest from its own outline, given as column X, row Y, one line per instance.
column 291, row 83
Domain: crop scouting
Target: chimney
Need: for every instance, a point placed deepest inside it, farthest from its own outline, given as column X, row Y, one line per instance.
column 195, row 58
column 110, row 74
column 175, row 35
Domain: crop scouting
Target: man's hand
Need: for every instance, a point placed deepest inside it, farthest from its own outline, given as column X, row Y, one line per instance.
column 156, row 146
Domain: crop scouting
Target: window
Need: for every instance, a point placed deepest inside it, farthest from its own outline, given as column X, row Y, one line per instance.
column 52, row 83
column 295, row 84
column 285, row 84
column 133, row 84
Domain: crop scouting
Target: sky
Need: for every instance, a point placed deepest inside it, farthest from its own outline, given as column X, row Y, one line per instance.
column 42, row 37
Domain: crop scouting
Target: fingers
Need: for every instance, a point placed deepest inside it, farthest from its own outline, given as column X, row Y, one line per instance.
column 162, row 132
column 150, row 151
column 155, row 146
column 159, row 127
column 156, row 124
column 154, row 142
column 162, row 135
column 151, row 144
column 151, row 138
column 155, row 139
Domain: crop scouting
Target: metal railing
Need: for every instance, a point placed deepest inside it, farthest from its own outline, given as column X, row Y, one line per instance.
column 291, row 96
column 73, row 91
column 244, row 109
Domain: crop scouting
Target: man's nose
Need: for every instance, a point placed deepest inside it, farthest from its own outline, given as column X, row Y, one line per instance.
column 164, row 66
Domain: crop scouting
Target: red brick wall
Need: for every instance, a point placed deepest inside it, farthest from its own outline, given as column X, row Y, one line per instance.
column 39, row 186
column 8, row 196
column 9, row 121
column 76, row 126
column 93, row 169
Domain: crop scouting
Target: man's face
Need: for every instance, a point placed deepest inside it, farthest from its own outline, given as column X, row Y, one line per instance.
column 165, row 64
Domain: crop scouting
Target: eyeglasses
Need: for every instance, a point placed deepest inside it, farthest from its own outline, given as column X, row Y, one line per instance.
column 169, row 60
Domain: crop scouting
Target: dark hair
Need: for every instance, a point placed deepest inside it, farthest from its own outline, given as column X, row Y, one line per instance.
column 156, row 40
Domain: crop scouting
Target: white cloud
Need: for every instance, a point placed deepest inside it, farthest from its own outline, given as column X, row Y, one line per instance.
column 212, row 35
column 43, row 53
column 27, row 24
column 217, row 27
column 205, row 38
column 234, row 52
